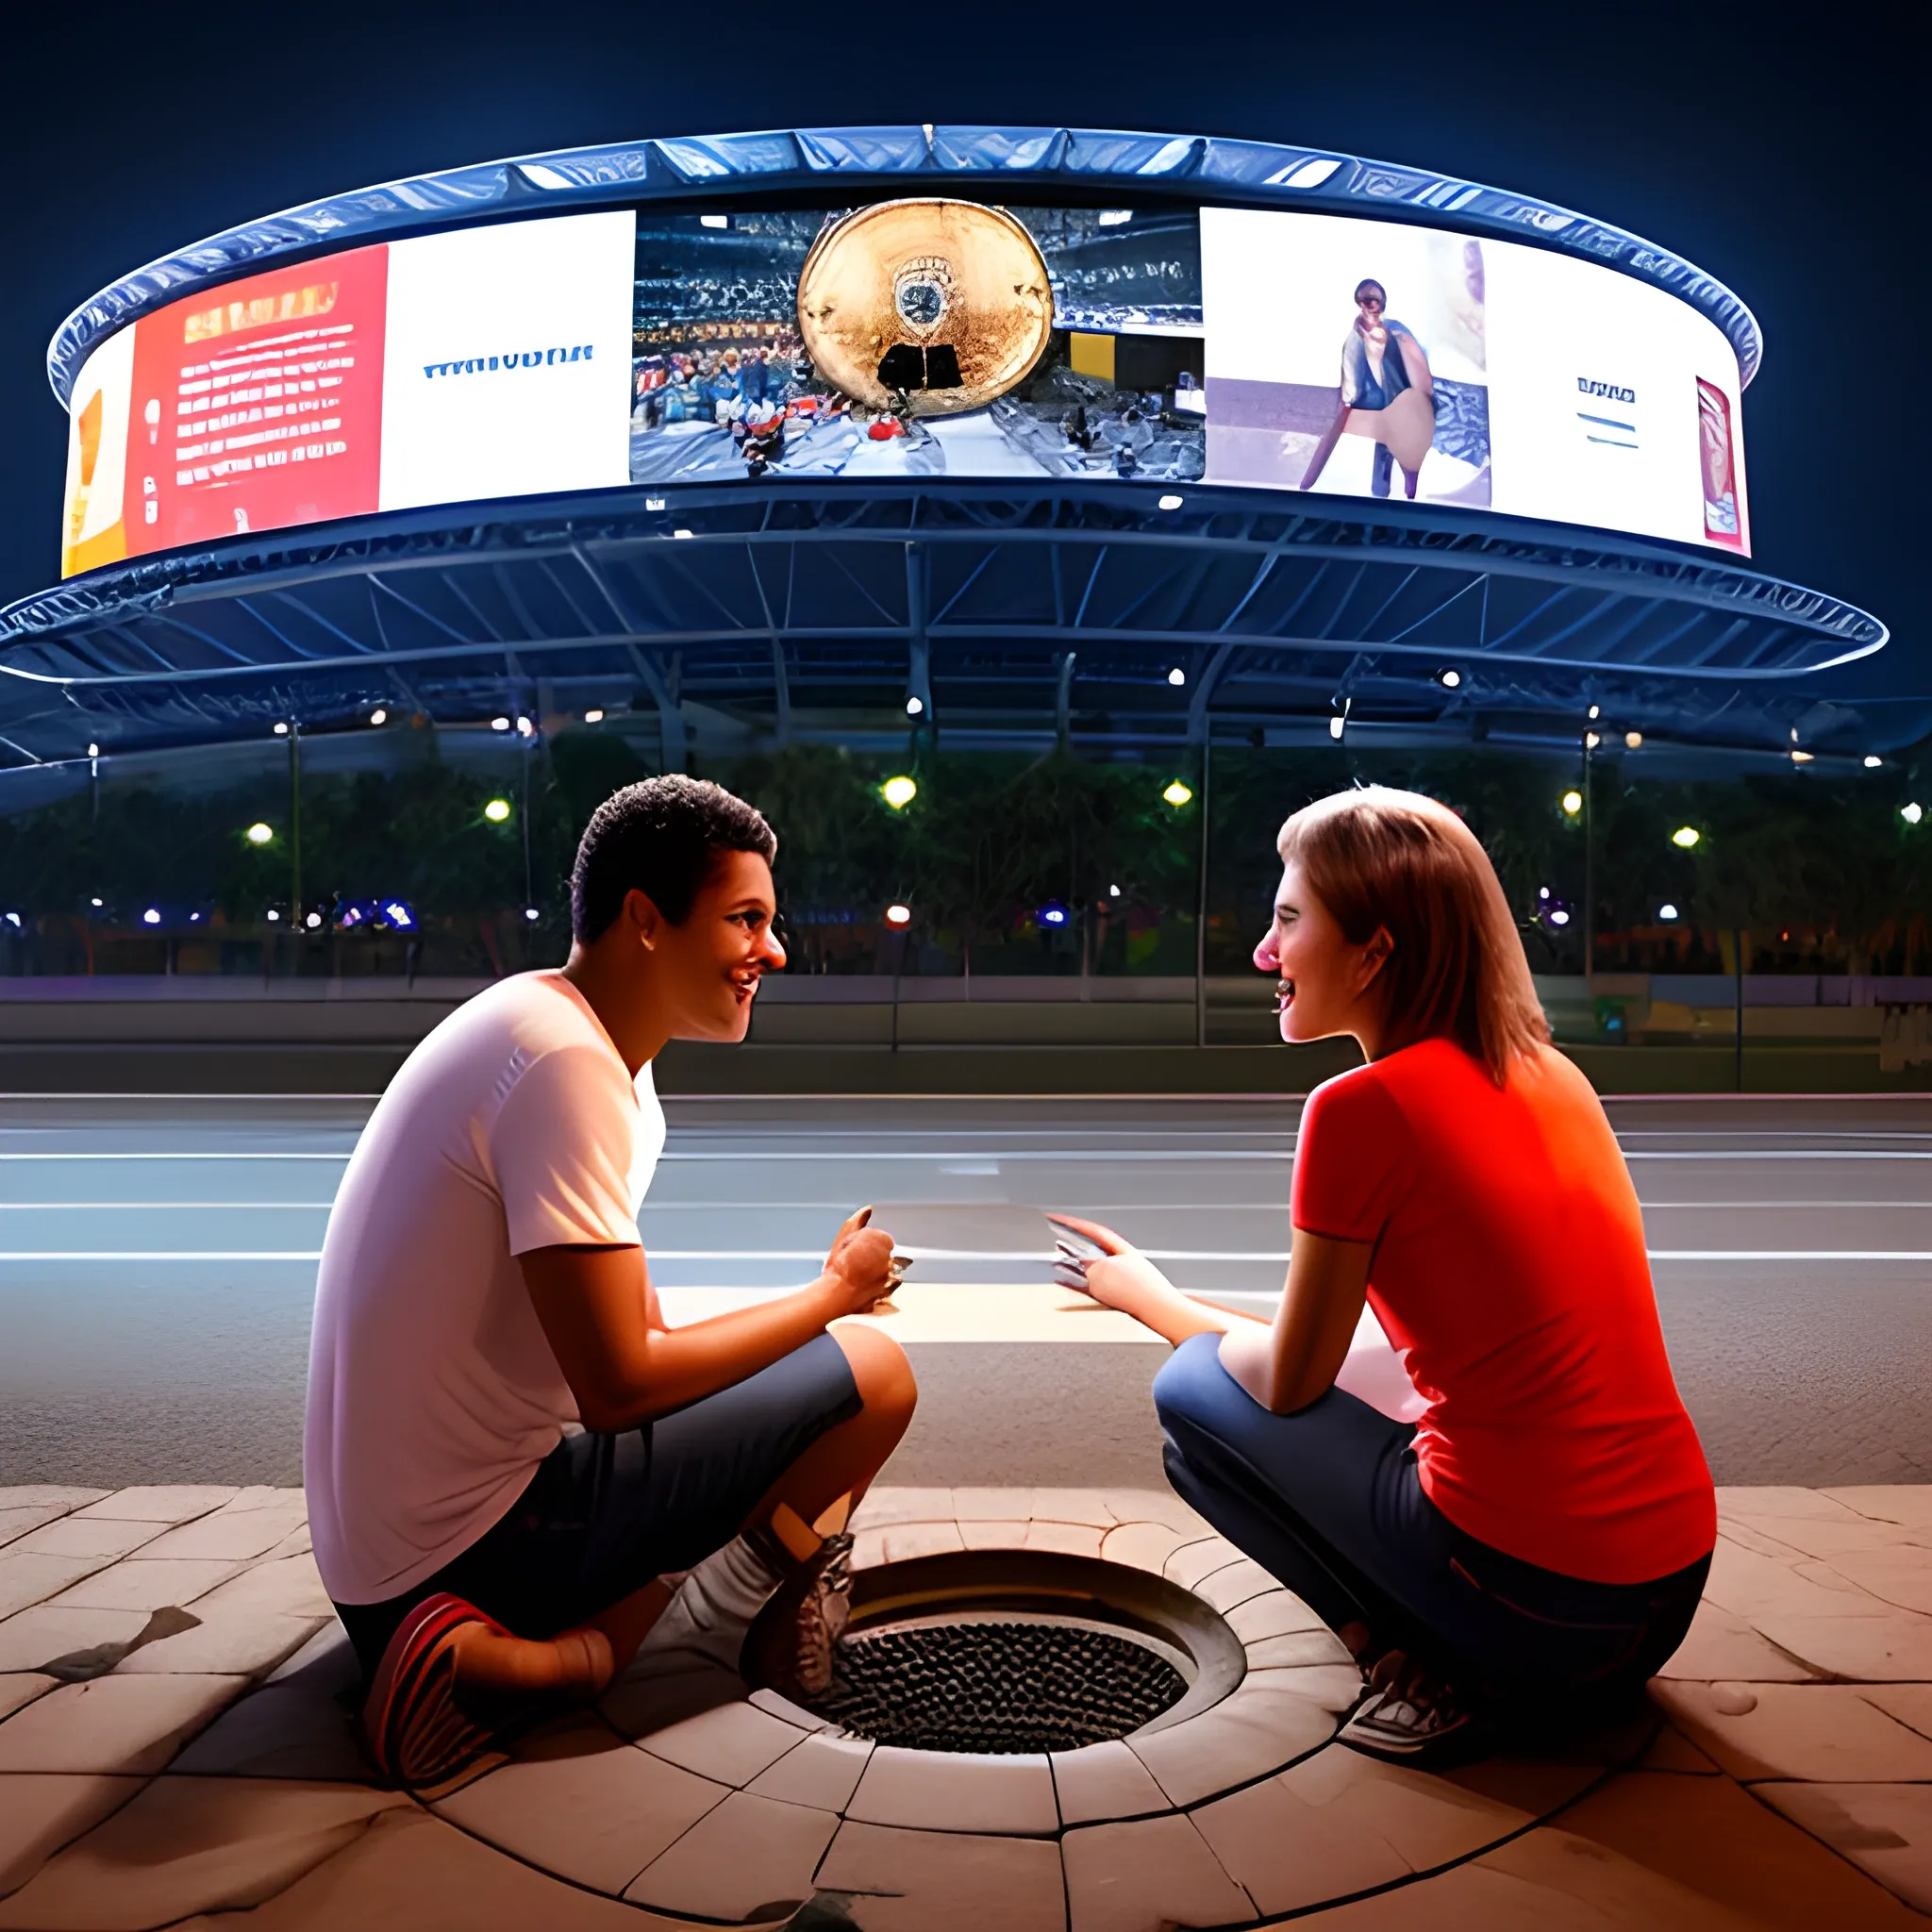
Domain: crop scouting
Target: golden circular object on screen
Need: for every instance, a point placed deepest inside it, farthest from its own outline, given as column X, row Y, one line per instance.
column 945, row 302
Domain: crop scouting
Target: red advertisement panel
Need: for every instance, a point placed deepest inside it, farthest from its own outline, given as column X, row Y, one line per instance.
column 1722, row 522
column 260, row 405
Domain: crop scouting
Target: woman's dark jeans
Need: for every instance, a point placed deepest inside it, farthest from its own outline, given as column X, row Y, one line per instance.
column 1329, row 1501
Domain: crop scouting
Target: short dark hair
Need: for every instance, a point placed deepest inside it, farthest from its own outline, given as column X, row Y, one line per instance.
column 1362, row 288
column 661, row 836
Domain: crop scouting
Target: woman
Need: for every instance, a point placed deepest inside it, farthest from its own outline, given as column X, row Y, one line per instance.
column 1531, row 1552
column 1382, row 363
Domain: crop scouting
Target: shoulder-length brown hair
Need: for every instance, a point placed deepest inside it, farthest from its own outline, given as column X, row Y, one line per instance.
column 1456, row 969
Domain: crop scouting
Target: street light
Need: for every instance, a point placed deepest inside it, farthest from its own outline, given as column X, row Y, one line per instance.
column 899, row 915
column 1685, row 837
column 899, row 793
column 1573, row 801
column 497, row 810
column 1633, row 740
column 1911, row 813
column 378, row 716
column 914, row 705
column 1450, row 679
column 1176, row 676
column 259, row 833
column 1667, row 912
column 1177, row 795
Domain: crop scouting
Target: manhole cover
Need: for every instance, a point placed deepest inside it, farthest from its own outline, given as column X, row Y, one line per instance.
column 998, row 1687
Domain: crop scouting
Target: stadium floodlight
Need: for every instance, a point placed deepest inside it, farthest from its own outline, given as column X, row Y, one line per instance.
column 281, row 729
column 715, row 221
column 378, row 716
column 151, row 917
column 1115, row 217
column 899, row 915
column 899, row 792
column 499, row 723
column 1177, row 795
column 1335, row 724
column 1176, row 676
column 594, row 717
column 259, row 833
column 1633, row 740
column 1451, row 678
column 1911, row 813
column 497, row 810
column 1170, row 503
column 94, row 750
column 1685, row 837
column 1872, row 761
column 1573, row 801
column 914, row 705
column 1667, row 912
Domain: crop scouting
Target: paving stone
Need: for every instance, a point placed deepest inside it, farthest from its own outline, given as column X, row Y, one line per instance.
column 28, row 1578
column 954, row 1790
column 750, row 1859
column 39, row 1812
column 1721, row 1645
column 39, row 1495
column 996, row 1535
column 1239, row 1583
column 583, row 1804
column 1765, row 1542
column 1821, row 1733
column 1538, row 1786
column 1900, row 1575
column 1088, row 1506
column 234, row 1538
column 32, row 1637
column 1336, row 1688
column 1672, row 1751
column 327, row 1657
column 644, row 1701
column 1905, row 1503
column 922, row 1881
column 1296, row 1648
column 1713, row 1839
column 16, row 1523
column 1830, row 1537
column 1885, row 1829
column 786, row 1712
column 1756, row 1587
column 1287, row 1855
column 903, row 1541
column 134, row 1586
column 991, row 1506
column 1894, row 1647
column 1139, row 1876
column 1426, row 1819
column 1911, row 1704
column 882, row 1506
column 1068, row 1538
column 283, row 1730
column 104, row 1538
column 166, row 1503
column 729, row 1743
column 20, row 1687
column 191, row 1845
column 822, row 1772
column 1157, row 1506
column 1144, row 1545
column 132, row 1724
column 409, row 1871
column 1772, row 1500
column 266, row 1496
column 233, row 1640
column 1104, row 1781
column 1194, row 1561
column 1278, row 1614
column 1257, row 1728
column 289, row 1586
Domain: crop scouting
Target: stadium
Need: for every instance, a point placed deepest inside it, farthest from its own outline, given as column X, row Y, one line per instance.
column 576, row 435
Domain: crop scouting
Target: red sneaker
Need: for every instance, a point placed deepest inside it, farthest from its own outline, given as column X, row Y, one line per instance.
column 410, row 1722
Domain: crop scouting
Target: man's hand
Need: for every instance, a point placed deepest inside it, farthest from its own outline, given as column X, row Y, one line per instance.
column 862, row 1263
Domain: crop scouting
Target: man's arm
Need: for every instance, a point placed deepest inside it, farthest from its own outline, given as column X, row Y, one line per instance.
column 600, row 1316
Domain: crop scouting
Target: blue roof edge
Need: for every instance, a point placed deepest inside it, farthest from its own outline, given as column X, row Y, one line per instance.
column 684, row 165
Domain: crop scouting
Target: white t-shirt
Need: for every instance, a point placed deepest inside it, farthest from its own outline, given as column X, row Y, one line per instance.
column 433, row 1394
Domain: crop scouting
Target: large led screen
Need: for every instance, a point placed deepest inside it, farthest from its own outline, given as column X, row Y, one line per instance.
column 919, row 337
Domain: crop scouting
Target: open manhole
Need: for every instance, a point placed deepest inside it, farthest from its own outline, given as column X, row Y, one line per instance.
column 1022, row 1650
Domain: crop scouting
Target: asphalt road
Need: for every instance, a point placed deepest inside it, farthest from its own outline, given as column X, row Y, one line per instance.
column 157, row 1261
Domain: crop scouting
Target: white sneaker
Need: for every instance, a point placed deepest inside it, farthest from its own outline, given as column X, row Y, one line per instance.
column 1390, row 1726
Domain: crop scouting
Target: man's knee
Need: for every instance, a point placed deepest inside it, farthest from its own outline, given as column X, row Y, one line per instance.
column 879, row 1368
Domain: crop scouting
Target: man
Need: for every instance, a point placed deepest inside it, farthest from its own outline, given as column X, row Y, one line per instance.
column 482, row 1289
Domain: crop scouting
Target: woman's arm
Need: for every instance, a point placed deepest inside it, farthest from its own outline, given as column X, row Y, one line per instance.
column 1297, row 1358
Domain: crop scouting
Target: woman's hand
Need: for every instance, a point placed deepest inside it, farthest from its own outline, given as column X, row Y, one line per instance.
column 862, row 1263
column 1119, row 1276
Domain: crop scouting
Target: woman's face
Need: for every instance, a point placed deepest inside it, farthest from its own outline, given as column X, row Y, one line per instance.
column 1370, row 303
column 1322, row 975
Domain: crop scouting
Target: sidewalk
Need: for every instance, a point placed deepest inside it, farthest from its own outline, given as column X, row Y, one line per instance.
column 176, row 1750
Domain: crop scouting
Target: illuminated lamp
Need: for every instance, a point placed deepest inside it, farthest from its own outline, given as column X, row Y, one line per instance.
column 1177, row 795
column 1595, row 712
column 594, row 717
column 680, row 533
column 1176, row 676
column 1685, row 837
column 94, row 902
column 899, row 915
column 531, row 912
column 313, row 920
column 1450, row 679
column 1911, row 813
column 1054, row 913
column 398, row 913
column 259, row 833
column 899, row 793
column 914, row 705
column 1115, row 217
column 1559, row 917
column 281, row 730
column 1591, row 741
column 151, row 917
column 378, row 716
column 1335, row 725
column 1113, row 892
column 1170, row 503
column 1872, row 761
column 1633, row 740
column 273, row 917
column 525, row 728
column 497, row 810
column 1800, row 757
column 1667, row 912
column 499, row 723
column 94, row 750
column 1572, row 802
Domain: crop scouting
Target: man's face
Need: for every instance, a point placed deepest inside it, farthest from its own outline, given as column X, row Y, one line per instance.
column 1370, row 303
column 709, row 969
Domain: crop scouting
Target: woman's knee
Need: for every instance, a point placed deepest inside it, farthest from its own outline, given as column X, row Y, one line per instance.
column 1192, row 1386
column 880, row 1371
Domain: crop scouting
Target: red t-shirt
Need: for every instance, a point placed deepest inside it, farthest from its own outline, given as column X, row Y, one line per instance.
column 1510, row 1263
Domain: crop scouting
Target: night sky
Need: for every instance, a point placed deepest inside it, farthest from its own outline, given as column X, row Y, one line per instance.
column 1775, row 158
